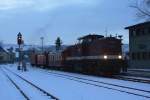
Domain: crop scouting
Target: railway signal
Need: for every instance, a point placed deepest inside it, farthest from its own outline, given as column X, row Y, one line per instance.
column 20, row 42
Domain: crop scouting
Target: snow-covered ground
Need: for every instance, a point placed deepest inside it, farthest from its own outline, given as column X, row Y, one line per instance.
column 66, row 89
column 8, row 90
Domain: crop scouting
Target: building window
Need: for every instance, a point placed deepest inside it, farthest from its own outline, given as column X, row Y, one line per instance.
column 143, row 32
column 134, row 33
column 148, row 30
column 142, row 46
column 138, row 32
column 131, row 33
column 144, row 55
column 133, row 56
column 138, row 56
column 1, row 57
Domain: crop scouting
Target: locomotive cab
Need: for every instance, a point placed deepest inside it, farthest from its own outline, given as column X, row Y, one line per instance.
column 89, row 38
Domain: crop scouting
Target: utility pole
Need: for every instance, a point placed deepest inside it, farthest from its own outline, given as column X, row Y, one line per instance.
column 42, row 41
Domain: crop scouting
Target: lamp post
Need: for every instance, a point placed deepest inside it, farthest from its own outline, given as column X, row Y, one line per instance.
column 42, row 40
column 19, row 41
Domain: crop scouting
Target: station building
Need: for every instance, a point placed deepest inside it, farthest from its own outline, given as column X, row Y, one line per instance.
column 139, row 45
column 6, row 56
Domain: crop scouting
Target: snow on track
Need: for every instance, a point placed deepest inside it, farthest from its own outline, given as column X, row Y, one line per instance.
column 29, row 90
column 7, row 90
column 121, row 88
column 71, row 90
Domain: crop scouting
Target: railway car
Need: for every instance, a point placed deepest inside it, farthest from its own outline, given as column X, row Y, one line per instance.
column 41, row 60
column 33, row 59
column 54, row 60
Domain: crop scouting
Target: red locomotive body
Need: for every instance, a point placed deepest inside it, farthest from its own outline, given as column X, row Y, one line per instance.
column 95, row 54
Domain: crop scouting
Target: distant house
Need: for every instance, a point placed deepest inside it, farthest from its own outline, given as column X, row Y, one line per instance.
column 139, row 45
column 6, row 56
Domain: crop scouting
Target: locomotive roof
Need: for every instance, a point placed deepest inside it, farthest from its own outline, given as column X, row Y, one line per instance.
column 91, row 36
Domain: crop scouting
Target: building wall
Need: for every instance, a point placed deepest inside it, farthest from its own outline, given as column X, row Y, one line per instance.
column 139, row 43
column 7, row 57
column 3, row 57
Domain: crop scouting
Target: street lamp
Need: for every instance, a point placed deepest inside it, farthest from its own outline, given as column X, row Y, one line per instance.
column 19, row 41
column 42, row 40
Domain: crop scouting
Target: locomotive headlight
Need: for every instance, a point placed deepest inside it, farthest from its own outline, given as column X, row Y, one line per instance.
column 119, row 57
column 105, row 57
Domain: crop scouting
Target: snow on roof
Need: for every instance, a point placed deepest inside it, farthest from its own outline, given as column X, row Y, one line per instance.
column 2, row 49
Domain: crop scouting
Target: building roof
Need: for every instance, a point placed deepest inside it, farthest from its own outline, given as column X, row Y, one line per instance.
column 91, row 36
column 2, row 50
column 138, row 25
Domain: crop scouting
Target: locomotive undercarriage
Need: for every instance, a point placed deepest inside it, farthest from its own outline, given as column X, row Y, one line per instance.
column 95, row 67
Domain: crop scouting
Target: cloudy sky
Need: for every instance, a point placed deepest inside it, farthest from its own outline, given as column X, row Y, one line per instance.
column 68, row 19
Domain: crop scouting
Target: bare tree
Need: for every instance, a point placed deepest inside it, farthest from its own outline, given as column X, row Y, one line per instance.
column 143, row 9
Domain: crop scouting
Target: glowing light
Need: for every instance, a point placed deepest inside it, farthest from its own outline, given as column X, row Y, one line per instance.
column 120, row 57
column 105, row 57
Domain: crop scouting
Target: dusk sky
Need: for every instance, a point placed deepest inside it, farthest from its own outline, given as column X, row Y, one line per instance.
column 68, row 19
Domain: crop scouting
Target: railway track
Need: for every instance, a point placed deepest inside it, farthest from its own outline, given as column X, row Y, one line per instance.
column 120, row 88
column 128, row 78
column 29, row 83
column 17, row 87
